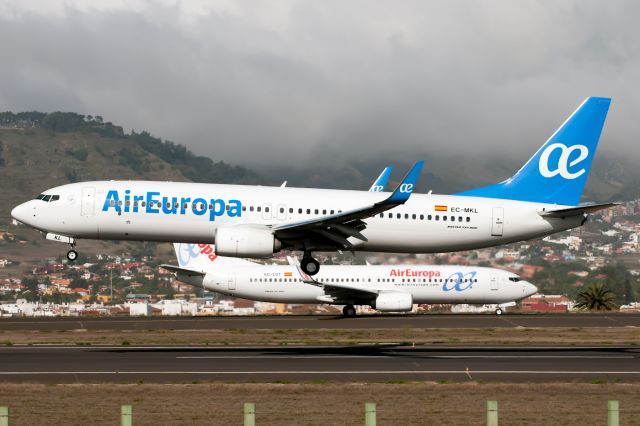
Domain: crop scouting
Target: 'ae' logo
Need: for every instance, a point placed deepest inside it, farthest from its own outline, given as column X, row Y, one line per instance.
column 562, row 168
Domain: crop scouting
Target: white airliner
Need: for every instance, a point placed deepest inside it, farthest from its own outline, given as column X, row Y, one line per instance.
column 385, row 288
column 255, row 221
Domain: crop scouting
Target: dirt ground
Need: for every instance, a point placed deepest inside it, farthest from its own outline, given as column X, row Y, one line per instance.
column 413, row 403
column 470, row 336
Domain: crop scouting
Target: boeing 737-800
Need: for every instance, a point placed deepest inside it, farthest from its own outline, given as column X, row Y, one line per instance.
column 384, row 288
column 254, row 221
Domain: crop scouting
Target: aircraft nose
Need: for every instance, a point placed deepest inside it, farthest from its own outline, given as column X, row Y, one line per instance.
column 22, row 212
column 529, row 289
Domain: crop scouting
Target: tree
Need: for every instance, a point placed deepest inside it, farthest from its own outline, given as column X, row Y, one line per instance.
column 596, row 298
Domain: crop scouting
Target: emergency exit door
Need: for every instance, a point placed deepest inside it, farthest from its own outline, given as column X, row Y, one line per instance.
column 87, row 207
column 497, row 222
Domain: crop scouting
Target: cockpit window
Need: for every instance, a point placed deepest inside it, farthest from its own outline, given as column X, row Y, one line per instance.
column 48, row 198
column 514, row 279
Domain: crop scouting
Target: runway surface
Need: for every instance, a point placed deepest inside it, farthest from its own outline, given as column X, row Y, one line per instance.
column 353, row 363
column 325, row 321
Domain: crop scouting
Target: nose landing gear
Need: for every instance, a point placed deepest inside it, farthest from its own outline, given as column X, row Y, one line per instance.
column 72, row 254
column 498, row 311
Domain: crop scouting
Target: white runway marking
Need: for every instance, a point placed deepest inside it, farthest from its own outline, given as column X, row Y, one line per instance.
column 15, row 373
column 390, row 356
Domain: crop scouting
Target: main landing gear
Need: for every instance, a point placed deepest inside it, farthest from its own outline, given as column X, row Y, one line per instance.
column 309, row 265
column 349, row 311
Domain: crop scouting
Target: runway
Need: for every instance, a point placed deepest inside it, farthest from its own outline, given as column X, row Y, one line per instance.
column 46, row 364
column 324, row 321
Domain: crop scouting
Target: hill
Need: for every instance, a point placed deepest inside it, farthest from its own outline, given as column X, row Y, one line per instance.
column 39, row 151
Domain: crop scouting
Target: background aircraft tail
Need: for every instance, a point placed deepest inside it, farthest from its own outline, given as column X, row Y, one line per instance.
column 557, row 172
column 203, row 257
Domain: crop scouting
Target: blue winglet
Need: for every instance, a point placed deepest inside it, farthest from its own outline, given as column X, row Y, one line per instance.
column 381, row 182
column 406, row 187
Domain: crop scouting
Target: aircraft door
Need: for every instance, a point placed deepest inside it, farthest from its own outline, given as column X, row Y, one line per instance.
column 88, row 204
column 281, row 212
column 497, row 222
column 231, row 281
column 266, row 211
column 493, row 281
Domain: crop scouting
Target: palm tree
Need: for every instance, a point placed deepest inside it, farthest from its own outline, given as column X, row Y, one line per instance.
column 596, row 298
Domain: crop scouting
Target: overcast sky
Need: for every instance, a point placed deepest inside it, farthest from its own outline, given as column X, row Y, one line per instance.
column 250, row 82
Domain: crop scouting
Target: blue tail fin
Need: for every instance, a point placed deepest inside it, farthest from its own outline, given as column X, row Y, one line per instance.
column 558, row 171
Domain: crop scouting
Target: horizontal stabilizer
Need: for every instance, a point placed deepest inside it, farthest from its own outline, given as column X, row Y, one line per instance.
column 185, row 271
column 576, row 211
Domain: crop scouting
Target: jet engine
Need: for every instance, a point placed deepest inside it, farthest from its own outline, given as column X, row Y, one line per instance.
column 393, row 301
column 246, row 241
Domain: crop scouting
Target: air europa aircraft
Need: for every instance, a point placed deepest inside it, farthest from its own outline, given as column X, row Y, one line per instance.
column 254, row 221
column 385, row 288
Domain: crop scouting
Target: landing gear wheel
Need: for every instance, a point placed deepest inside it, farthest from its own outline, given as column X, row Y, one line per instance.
column 72, row 255
column 349, row 311
column 310, row 266
column 498, row 311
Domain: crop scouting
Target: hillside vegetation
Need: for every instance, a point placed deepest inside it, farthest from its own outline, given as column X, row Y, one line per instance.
column 39, row 151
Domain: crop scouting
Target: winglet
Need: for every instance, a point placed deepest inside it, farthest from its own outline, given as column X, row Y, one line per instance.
column 381, row 182
column 402, row 193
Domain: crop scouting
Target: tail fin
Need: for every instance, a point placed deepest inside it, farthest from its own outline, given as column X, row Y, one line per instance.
column 204, row 257
column 558, row 171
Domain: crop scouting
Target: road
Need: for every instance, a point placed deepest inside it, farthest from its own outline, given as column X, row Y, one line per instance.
column 48, row 364
column 324, row 321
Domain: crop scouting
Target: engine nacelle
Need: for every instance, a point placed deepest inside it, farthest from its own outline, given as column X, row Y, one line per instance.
column 246, row 241
column 393, row 301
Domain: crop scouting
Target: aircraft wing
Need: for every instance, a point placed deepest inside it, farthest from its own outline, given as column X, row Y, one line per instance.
column 333, row 230
column 335, row 292
column 576, row 211
column 186, row 271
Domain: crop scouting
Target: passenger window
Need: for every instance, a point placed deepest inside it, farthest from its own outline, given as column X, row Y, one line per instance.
column 300, row 211
column 266, row 209
column 437, row 217
column 258, row 209
column 444, row 218
column 228, row 207
column 406, row 215
column 468, row 219
column 290, row 210
column 244, row 208
column 460, row 219
column 390, row 215
column 429, row 217
column 413, row 216
column 331, row 212
column 453, row 218
column 421, row 217
column 281, row 209
column 112, row 203
column 250, row 208
column 144, row 204
column 316, row 211
column 324, row 212
column 308, row 211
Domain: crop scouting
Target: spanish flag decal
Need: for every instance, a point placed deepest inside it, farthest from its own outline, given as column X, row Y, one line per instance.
column 288, row 274
column 441, row 208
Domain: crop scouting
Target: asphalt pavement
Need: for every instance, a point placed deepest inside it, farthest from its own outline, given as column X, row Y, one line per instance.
column 323, row 321
column 47, row 364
